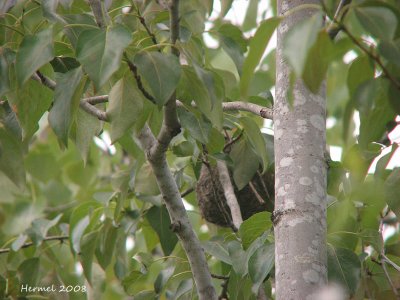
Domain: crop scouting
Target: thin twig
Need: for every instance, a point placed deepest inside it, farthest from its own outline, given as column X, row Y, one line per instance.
column 385, row 259
column 138, row 80
column 38, row 76
column 187, row 192
column 143, row 22
column 340, row 26
column 94, row 111
column 231, row 142
column 340, row 13
column 216, row 276
column 60, row 238
column 229, row 192
column 96, row 99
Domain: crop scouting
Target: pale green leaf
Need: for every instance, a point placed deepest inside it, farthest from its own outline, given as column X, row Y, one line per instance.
column 67, row 95
column 344, row 268
column 159, row 220
column 258, row 45
column 161, row 72
column 256, row 139
column 100, row 52
column 260, row 265
column 299, row 39
column 126, row 105
column 381, row 22
column 11, row 157
column 34, row 51
column 254, row 227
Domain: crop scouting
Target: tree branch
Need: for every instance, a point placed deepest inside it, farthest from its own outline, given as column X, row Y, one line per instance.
column 372, row 55
column 264, row 112
column 85, row 104
column 179, row 219
column 60, row 238
column 229, row 193
column 340, row 13
column 170, row 126
column 38, row 76
column 138, row 80
column 93, row 110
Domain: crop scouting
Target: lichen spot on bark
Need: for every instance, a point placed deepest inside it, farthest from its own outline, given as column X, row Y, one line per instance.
column 286, row 161
column 311, row 276
column 305, row 181
column 318, row 122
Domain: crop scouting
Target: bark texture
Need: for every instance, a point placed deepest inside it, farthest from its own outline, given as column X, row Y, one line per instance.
column 300, row 176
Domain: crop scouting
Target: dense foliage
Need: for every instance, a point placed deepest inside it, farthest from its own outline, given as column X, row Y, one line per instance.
column 89, row 216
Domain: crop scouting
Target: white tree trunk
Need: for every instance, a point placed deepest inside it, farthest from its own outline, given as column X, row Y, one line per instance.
column 300, row 176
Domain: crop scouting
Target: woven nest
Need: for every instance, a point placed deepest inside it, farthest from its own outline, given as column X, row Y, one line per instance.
column 255, row 197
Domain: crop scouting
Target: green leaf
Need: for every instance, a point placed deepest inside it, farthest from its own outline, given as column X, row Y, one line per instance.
column 38, row 231
column 125, row 108
column 391, row 51
column 234, row 43
column 250, row 19
column 11, row 157
column 260, row 265
column 199, row 129
column 258, row 45
column 34, row 51
column 161, row 72
column 29, row 271
column 318, row 59
column 298, row 41
column 86, row 127
column 204, row 90
column 379, row 21
column 107, row 240
column 30, row 103
column 88, row 246
column 217, row 250
column 6, row 58
column 256, row 139
column 64, row 64
column 238, row 257
column 80, row 222
column 392, row 191
column 162, row 279
column 67, row 95
column 344, row 268
column 254, row 227
column 19, row 242
column 159, row 220
column 245, row 163
column 100, row 52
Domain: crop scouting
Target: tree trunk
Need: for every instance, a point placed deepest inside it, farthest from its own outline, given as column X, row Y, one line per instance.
column 300, row 176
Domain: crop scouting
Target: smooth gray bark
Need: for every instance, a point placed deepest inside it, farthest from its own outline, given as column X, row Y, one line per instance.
column 300, row 176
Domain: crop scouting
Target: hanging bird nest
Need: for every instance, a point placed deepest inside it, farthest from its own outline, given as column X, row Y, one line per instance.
column 256, row 196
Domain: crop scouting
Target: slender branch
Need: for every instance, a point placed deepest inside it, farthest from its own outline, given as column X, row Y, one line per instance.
column 385, row 259
column 216, row 276
column 229, row 193
column 99, row 13
column 94, row 111
column 228, row 145
column 96, row 99
column 187, row 192
column 170, row 126
column 180, row 223
column 138, row 80
column 38, row 76
column 60, row 238
column 143, row 22
column 340, row 13
column 264, row 112
column 390, row 262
